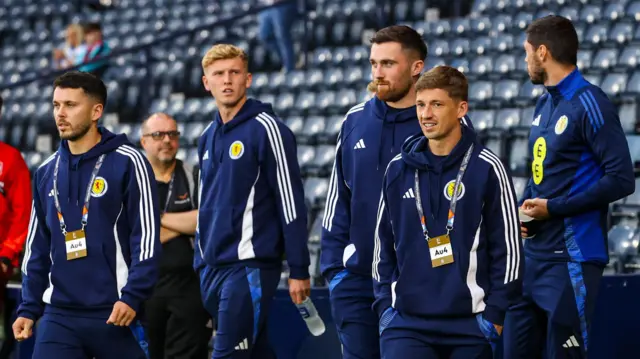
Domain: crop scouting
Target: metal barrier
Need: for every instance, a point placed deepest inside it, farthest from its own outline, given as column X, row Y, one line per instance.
column 614, row 331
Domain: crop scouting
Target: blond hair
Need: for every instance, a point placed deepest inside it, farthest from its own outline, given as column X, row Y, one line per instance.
column 224, row 52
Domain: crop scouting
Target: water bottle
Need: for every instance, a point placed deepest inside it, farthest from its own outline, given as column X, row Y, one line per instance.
column 310, row 315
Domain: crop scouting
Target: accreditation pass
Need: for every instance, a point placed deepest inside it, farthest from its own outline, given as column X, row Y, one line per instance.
column 76, row 245
column 441, row 251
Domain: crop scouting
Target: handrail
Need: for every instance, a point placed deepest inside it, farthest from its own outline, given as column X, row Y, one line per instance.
column 28, row 77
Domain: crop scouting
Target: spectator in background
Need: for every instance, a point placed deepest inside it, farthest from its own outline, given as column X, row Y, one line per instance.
column 74, row 50
column 176, row 318
column 15, row 207
column 96, row 48
column 275, row 29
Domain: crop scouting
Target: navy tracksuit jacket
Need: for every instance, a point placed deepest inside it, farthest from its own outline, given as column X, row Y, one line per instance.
column 581, row 164
column 252, row 212
column 123, row 244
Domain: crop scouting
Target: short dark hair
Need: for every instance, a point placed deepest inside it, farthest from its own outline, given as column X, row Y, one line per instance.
column 558, row 34
column 92, row 26
column 445, row 78
column 409, row 38
column 89, row 83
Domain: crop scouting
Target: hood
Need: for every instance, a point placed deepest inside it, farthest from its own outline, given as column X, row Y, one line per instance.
column 108, row 142
column 248, row 111
column 389, row 114
column 416, row 153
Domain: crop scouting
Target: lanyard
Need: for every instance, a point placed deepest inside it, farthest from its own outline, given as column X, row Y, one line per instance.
column 166, row 203
column 87, row 197
column 454, row 196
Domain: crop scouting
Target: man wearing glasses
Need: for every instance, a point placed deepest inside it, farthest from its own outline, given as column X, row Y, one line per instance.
column 176, row 318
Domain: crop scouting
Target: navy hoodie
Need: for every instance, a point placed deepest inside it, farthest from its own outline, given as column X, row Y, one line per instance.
column 371, row 135
column 581, row 164
column 485, row 276
column 122, row 233
column 252, row 207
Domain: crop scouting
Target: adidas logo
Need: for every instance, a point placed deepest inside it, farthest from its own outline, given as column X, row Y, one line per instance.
column 244, row 345
column 206, row 156
column 536, row 121
column 409, row 194
column 571, row 343
column 359, row 145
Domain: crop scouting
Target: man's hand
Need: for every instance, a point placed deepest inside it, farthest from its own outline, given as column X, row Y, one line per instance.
column 536, row 208
column 299, row 289
column 166, row 235
column 498, row 328
column 122, row 315
column 22, row 328
column 523, row 232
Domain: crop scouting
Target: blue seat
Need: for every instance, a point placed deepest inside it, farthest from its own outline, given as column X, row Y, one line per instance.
column 481, row 65
column 543, row 13
column 481, row 45
column 295, row 124
column 621, row 33
column 439, row 28
column 480, row 25
column 339, row 33
column 614, row 11
column 633, row 86
column 314, row 78
column 192, row 132
column 277, row 80
column 334, row 124
column 284, row 102
column 519, row 185
column 341, row 55
column 529, row 91
column 439, row 48
column 591, row 14
column 460, row 47
column 593, row 78
column 460, row 26
column 522, row 20
column 479, row 92
column 503, row 43
column 314, row 127
column 506, row 90
column 518, row 156
column 633, row 11
column 322, row 57
column 260, row 81
column 306, row 154
column 584, row 59
column 496, row 145
column 628, row 113
column 570, row 12
column 508, row 118
column 345, row 99
column 315, row 190
column 326, row 100
column 483, row 119
column 605, row 59
column 614, row 84
column 354, row 76
column 462, row 64
column 295, row 80
column 434, row 61
column 481, row 6
column 323, row 160
column 630, row 56
column 596, row 35
column 505, row 64
column 359, row 54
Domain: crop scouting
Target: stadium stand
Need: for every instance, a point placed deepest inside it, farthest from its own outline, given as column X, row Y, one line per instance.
column 166, row 76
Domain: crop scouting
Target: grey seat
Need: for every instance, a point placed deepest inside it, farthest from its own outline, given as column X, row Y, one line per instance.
column 439, row 48
column 506, row 90
column 605, row 59
column 614, row 11
column 630, row 56
column 570, row 12
column 306, row 154
column 481, row 45
column 614, row 84
column 621, row 33
column 508, row 118
column 628, row 113
column 503, row 43
column 584, row 59
column 591, row 14
column 314, row 126
column 295, row 124
column 481, row 65
column 596, row 34
column 519, row 185
column 504, row 64
column 460, row 46
column 482, row 119
column 284, row 102
column 315, row 190
column 462, row 64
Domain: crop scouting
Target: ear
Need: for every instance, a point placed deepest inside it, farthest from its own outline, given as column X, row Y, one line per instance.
column 249, row 80
column 463, row 108
column 417, row 68
column 205, row 83
column 542, row 51
column 98, row 109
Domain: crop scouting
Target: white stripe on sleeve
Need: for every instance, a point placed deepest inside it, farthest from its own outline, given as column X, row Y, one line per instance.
column 284, row 179
column 147, row 215
column 33, row 228
column 509, row 216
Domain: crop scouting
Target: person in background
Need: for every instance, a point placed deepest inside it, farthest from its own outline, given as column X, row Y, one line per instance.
column 446, row 261
column 176, row 320
column 91, row 255
column 96, row 48
column 581, row 164
column 275, row 29
column 252, row 210
column 15, row 210
column 74, row 51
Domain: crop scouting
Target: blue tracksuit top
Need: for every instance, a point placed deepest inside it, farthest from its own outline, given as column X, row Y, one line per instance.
column 122, row 233
column 581, row 164
column 485, row 276
column 371, row 135
column 252, row 207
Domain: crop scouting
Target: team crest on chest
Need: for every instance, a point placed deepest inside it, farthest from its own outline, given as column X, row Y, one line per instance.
column 99, row 187
column 448, row 190
column 236, row 150
column 561, row 125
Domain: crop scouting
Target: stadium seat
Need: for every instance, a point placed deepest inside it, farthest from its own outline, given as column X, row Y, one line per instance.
column 584, row 59
column 284, row 102
column 481, row 6
column 518, row 158
column 614, row 11
column 323, row 161
column 439, row 48
column 460, row 26
column 522, row 20
column 621, row 33
column 295, row 124
column 628, row 113
column 633, row 11
column 306, row 154
column 519, row 184
column 614, row 84
column 604, row 60
column 193, row 131
column 503, row 43
column 633, row 85
column 482, row 119
column 591, row 14
column 314, row 127
column 481, row 45
column 504, row 64
column 570, row 13
column 334, row 78
column 508, row 118
column 630, row 56
column 460, row 46
column 462, row 64
column 481, row 65
column 596, row 34
column 315, row 190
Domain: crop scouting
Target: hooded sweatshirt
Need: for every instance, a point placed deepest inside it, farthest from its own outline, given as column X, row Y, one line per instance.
column 371, row 135
column 485, row 276
column 122, row 232
column 252, row 207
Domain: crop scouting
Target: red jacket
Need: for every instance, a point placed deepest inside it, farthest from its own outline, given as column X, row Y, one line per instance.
column 15, row 203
